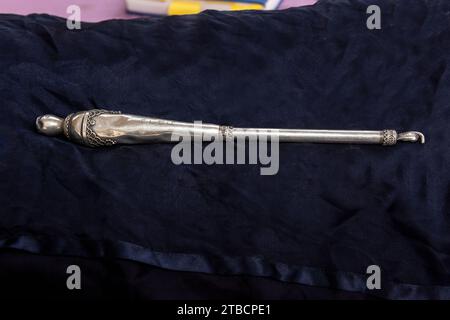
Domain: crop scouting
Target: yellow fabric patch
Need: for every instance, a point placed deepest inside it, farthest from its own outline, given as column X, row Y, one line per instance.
column 184, row 7
column 246, row 6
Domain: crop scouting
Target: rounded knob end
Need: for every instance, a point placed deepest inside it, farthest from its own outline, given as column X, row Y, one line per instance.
column 49, row 125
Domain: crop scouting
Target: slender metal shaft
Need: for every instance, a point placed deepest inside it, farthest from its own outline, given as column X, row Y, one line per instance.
column 315, row 136
column 101, row 128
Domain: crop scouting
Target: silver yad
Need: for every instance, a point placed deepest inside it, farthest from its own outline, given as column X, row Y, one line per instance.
column 97, row 128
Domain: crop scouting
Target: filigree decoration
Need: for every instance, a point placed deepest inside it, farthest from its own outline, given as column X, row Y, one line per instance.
column 226, row 132
column 389, row 137
column 66, row 125
column 92, row 139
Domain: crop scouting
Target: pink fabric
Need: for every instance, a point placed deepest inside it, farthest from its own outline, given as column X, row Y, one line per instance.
column 296, row 3
column 91, row 10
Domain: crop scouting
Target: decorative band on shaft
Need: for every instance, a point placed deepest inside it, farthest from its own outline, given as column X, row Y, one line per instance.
column 226, row 132
column 388, row 137
column 66, row 125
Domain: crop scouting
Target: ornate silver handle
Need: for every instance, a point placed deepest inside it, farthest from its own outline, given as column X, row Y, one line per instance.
column 97, row 128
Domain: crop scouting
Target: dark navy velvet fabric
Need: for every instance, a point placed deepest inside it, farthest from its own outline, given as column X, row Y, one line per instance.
column 331, row 211
column 24, row 275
